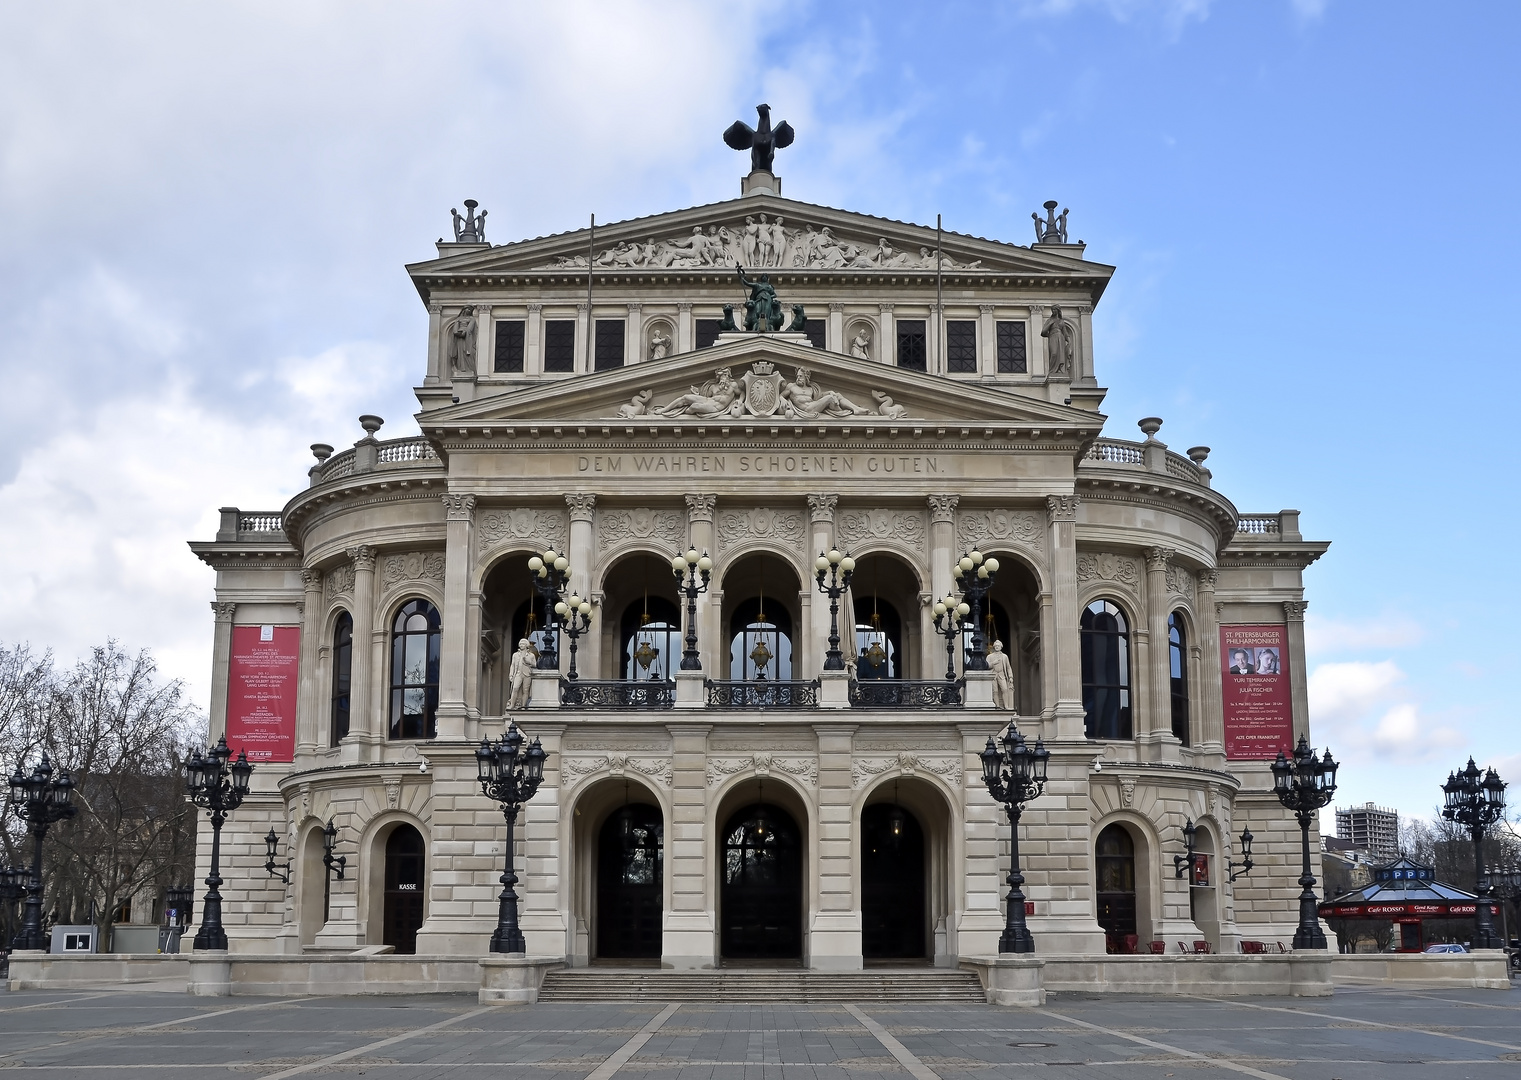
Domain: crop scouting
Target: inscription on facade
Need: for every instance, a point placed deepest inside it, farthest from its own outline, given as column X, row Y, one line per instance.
column 784, row 464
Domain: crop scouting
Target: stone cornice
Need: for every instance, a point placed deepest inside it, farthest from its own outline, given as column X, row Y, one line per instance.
column 1203, row 505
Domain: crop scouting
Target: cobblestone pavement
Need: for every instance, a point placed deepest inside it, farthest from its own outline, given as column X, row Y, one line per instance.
column 1357, row 1035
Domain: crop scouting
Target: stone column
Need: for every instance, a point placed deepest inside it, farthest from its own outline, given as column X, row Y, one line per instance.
column 934, row 352
column 485, row 344
column 221, row 661
column 1035, row 345
column 366, row 722
column 1158, row 726
column 1062, row 650
column 987, row 341
column 533, row 341
column 1208, row 702
column 435, row 331
column 816, row 639
column 1082, row 363
column 887, row 344
column 834, row 938
column 459, row 521
column 1293, row 617
column 941, row 553
column 690, row 939
column 834, row 333
column 309, row 736
column 633, row 336
column 710, row 643
column 686, row 329
column 545, row 864
column 582, row 509
column 583, row 362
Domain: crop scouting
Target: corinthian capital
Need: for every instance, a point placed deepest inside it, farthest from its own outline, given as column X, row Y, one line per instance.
column 821, row 508
column 1208, row 579
column 224, row 610
column 459, row 507
column 700, row 507
column 1061, row 507
column 1157, row 559
column 581, row 506
column 943, row 507
column 1293, row 610
column 363, row 557
column 311, row 579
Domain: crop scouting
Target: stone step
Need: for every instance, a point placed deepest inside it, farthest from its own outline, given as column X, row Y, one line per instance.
column 634, row 984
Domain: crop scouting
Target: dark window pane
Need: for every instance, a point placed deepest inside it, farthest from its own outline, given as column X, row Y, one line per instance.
column 961, row 347
column 559, row 345
column 609, row 344
column 707, row 332
column 815, row 331
column 509, row 346
column 912, row 353
column 1011, row 348
column 1177, row 644
column 415, row 642
column 343, row 668
column 1105, row 650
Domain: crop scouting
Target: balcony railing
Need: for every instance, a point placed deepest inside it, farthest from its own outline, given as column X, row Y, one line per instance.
column 906, row 693
column 1123, row 454
column 394, row 454
column 617, row 694
column 761, row 694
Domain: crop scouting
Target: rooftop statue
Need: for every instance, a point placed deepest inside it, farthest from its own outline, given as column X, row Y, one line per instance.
column 763, row 311
column 470, row 229
column 763, row 142
column 1054, row 229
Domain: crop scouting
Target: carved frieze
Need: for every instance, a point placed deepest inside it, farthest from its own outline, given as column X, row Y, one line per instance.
column 667, row 528
column 864, row 768
column 763, row 763
column 340, row 580
column 412, row 566
column 1180, row 582
column 1107, row 566
column 574, row 769
column 858, row 526
column 762, row 523
column 981, row 527
column 523, row 523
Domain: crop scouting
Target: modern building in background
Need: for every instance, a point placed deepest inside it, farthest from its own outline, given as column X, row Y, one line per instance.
column 1370, row 828
column 928, row 394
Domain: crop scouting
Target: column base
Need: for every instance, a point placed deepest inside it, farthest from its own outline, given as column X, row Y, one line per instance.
column 690, row 692
column 979, row 689
column 834, row 942
column 688, row 942
column 544, row 690
column 210, row 974
column 834, row 689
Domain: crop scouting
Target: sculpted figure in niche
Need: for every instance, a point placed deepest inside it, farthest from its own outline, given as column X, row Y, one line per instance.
column 520, row 674
column 459, row 342
column 860, row 345
column 1003, row 677
column 660, row 344
column 1058, row 333
column 713, row 399
column 807, row 400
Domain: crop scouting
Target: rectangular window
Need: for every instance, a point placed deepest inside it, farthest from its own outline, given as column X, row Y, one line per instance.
column 559, row 345
column 608, row 350
column 961, row 347
column 912, row 341
column 1011, row 348
column 707, row 332
column 815, row 331
column 509, row 346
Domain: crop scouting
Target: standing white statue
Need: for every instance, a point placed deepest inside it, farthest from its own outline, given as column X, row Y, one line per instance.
column 1003, row 677
column 520, row 674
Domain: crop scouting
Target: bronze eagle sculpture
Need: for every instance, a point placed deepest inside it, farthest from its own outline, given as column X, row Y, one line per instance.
column 763, row 142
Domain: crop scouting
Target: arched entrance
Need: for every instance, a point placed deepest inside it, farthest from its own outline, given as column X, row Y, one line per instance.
column 1114, row 863
column 893, row 884
column 630, row 882
column 762, row 885
column 403, row 888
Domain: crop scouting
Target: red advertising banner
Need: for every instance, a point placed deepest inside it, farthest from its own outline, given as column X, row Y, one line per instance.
column 1259, row 718
column 261, row 691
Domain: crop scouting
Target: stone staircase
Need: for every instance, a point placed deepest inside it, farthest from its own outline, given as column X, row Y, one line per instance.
column 760, row 985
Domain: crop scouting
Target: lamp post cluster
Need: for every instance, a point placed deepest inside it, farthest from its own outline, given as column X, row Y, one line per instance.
column 1476, row 800
column 975, row 572
column 692, row 574
column 950, row 623
column 214, row 784
column 1185, row 863
column 550, row 573
column 1015, row 774
column 833, row 572
column 40, row 799
column 509, row 775
column 1304, row 785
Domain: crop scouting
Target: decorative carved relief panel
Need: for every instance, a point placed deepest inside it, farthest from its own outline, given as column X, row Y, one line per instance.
column 667, row 528
column 413, row 566
column 761, row 523
column 857, row 526
column 1107, row 566
column 764, row 763
column 864, row 768
column 523, row 524
column 981, row 527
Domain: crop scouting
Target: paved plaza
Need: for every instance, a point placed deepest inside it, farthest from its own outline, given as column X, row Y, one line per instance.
column 1389, row 1035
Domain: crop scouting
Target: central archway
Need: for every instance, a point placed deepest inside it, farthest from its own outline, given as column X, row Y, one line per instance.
column 762, row 885
column 893, row 884
column 630, row 883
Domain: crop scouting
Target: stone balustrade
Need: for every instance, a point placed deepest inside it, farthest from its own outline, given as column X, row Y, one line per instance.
column 1123, row 454
column 409, row 453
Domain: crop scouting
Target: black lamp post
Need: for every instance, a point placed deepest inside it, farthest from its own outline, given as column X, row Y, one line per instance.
column 833, row 572
column 215, row 785
column 1244, row 867
column 575, row 618
column 40, row 800
column 271, row 853
column 1182, row 864
column 1304, row 785
column 12, row 889
column 332, row 865
column 1476, row 801
column 692, row 572
column 950, row 614
column 509, row 775
column 975, row 575
column 1015, row 775
column 550, row 573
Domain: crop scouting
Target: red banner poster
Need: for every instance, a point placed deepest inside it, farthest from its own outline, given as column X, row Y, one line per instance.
column 261, row 691
column 1259, row 717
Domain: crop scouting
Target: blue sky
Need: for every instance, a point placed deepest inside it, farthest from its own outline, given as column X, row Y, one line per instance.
column 206, row 209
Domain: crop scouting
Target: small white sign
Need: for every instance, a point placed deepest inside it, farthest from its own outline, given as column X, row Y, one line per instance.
column 266, row 633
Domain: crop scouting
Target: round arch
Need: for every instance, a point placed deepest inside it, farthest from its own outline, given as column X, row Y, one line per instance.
column 762, row 605
column 1147, row 881
column 1016, row 621
column 593, row 802
column 933, row 804
column 311, row 911
column 884, row 609
column 785, row 793
column 1205, row 904
column 634, row 584
column 372, row 844
column 1110, row 674
column 505, row 607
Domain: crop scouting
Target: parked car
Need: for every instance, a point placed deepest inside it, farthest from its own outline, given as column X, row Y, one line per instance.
column 1453, row 947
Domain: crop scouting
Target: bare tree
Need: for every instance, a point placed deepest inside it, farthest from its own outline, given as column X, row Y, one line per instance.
column 26, row 686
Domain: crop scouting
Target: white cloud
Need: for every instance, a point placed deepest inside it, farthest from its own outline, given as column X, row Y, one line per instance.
column 1309, row 10
column 1391, row 630
column 1368, row 711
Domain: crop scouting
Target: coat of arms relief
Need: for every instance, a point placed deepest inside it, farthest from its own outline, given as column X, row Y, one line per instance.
column 762, row 392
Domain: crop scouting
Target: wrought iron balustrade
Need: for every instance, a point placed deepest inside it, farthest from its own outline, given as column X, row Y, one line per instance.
column 761, row 694
column 617, row 693
column 906, row 693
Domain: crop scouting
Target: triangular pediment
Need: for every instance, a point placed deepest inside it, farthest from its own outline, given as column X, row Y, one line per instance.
column 796, row 237
column 763, row 379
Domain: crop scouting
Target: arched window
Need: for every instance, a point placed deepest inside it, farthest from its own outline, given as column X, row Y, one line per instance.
column 414, row 671
column 1177, row 657
column 343, row 671
column 1114, row 876
column 879, row 640
column 651, row 633
column 760, row 646
column 1106, row 671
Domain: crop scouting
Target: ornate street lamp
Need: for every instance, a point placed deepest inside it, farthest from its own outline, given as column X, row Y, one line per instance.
column 575, row 618
column 550, row 573
column 975, row 574
column 1015, row 775
column 509, row 775
column 1476, row 801
column 1234, row 869
column 692, row 572
column 272, row 853
column 12, row 888
column 332, row 865
column 833, row 573
column 950, row 615
column 1182, row 864
column 215, row 785
column 1304, row 785
column 40, row 800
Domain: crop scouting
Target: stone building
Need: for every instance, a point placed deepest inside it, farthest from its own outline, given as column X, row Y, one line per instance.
column 580, row 392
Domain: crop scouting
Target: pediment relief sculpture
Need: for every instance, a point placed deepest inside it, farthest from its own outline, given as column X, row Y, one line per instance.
column 763, row 391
